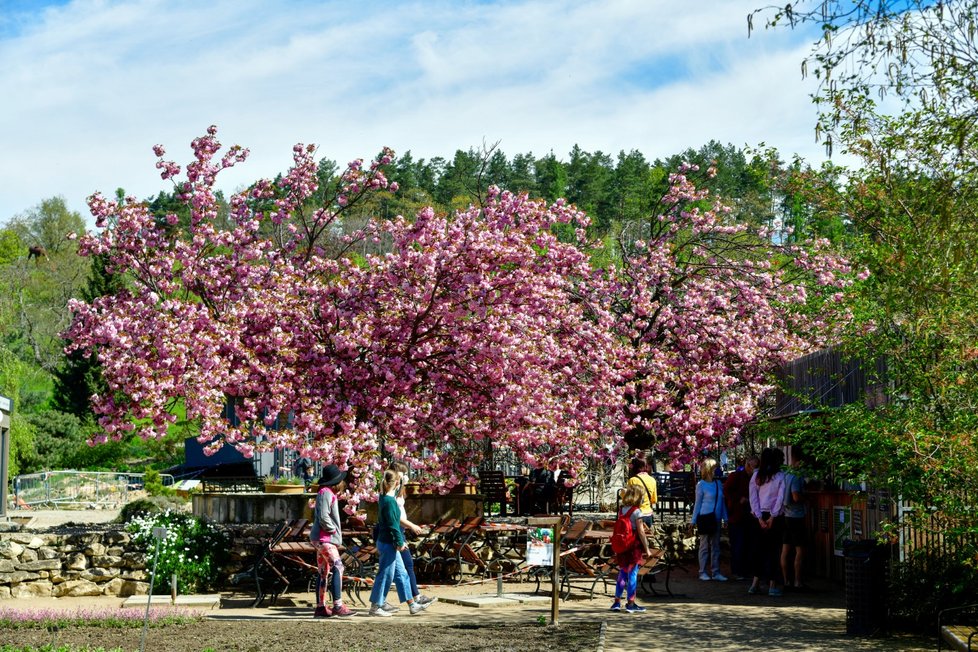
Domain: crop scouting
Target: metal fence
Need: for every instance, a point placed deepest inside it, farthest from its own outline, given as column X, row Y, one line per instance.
column 77, row 488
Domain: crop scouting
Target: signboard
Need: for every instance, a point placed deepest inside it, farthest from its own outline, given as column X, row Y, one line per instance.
column 540, row 546
column 841, row 527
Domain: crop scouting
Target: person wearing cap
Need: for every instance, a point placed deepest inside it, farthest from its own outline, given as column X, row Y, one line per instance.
column 326, row 535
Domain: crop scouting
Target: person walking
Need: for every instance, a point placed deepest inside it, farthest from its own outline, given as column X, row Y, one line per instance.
column 390, row 543
column 767, row 506
column 407, row 526
column 709, row 512
column 326, row 535
column 630, row 545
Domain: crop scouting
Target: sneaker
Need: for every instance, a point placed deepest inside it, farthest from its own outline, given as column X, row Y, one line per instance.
column 322, row 612
column 775, row 593
column 633, row 608
column 719, row 577
column 343, row 611
column 704, row 577
column 616, row 606
column 752, row 590
column 416, row 607
column 423, row 599
column 377, row 610
column 390, row 608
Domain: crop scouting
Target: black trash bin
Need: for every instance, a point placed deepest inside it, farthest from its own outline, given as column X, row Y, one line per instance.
column 866, row 566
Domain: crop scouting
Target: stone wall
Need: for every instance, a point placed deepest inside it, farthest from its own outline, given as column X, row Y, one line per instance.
column 100, row 563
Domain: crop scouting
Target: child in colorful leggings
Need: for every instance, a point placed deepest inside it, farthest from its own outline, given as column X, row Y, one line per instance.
column 630, row 560
column 326, row 536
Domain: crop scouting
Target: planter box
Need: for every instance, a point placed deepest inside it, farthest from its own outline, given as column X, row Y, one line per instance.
column 284, row 488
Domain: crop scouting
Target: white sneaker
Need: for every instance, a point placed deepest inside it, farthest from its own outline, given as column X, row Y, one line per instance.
column 719, row 577
column 705, row 578
column 378, row 610
column 416, row 607
column 423, row 599
column 389, row 608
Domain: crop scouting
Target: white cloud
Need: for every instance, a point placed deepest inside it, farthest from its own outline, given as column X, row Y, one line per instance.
column 93, row 84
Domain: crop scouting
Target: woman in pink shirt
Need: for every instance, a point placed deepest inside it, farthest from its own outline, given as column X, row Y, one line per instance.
column 767, row 506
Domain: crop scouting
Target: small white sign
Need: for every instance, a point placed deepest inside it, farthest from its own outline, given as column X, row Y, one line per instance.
column 5, row 404
column 540, row 546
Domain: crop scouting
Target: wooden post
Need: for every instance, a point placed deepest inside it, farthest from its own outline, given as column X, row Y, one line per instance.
column 554, row 521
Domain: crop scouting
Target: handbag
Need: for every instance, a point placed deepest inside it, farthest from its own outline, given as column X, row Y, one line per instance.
column 706, row 524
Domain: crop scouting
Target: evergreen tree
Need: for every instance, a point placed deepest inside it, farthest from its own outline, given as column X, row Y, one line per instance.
column 79, row 377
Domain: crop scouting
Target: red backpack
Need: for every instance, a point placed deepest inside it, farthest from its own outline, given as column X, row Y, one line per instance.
column 623, row 538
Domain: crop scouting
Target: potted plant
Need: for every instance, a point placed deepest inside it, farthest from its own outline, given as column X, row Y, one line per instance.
column 284, row 485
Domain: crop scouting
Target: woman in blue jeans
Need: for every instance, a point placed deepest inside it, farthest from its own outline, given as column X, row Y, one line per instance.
column 390, row 543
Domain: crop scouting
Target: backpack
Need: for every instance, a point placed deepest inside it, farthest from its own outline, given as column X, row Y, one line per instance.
column 623, row 537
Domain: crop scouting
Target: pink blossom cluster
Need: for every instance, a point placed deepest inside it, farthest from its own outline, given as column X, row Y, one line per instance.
column 475, row 330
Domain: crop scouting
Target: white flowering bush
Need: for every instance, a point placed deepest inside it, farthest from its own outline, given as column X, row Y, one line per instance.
column 192, row 548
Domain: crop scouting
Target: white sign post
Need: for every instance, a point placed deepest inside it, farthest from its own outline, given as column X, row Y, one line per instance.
column 554, row 552
column 6, row 407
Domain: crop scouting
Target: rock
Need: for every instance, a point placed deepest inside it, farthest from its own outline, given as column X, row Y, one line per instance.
column 47, row 552
column 99, row 574
column 77, row 588
column 29, row 554
column 137, row 575
column 17, row 577
column 76, row 561
column 107, row 561
column 40, row 589
column 7, row 566
column 117, row 537
column 125, row 588
column 10, row 549
column 95, row 550
column 4, row 592
column 40, row 564
column 134, row 560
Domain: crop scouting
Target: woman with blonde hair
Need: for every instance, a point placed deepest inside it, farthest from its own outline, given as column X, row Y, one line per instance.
column 390, row 544
column 709, row 511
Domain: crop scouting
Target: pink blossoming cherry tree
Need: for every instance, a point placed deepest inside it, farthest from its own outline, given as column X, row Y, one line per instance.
column 466, row 330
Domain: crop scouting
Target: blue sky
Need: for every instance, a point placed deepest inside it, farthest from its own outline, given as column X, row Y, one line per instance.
column 89, row 86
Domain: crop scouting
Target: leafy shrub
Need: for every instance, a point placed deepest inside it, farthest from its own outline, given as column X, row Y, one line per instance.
column 153, row 483
column 145, row 506
column 192, row 548
column 924, row 585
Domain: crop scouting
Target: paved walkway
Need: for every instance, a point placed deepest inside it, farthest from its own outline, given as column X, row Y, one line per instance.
column 703, row 616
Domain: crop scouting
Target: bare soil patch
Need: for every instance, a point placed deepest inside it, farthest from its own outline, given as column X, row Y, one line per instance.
column 358, row 634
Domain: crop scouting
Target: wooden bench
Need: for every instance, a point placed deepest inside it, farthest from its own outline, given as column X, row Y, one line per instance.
column 958, row 627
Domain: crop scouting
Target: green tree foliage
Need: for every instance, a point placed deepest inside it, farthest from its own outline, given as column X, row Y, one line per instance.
column 34, row 293
column 79, row 377
column 920, row 51
column 908, row 215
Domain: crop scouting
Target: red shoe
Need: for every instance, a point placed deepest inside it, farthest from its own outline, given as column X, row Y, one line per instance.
column 322, row 612
column 343, row 611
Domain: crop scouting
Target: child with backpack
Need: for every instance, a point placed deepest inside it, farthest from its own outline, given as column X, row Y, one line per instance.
column 631, row 546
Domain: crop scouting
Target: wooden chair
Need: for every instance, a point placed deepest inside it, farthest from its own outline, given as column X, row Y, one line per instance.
column 575, row 568
column 283, row 560
column 461, row 550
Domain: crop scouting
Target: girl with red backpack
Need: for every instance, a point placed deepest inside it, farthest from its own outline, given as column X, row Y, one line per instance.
column 630, row 545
